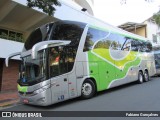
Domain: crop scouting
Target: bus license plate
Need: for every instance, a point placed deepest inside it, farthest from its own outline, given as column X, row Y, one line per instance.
column 25, row 101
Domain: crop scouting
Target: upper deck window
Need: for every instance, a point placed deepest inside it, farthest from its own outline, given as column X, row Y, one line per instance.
column 63, row 30
column 68, row 31
column 35, row 37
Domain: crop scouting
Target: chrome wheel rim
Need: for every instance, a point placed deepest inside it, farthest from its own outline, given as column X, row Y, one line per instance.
column 146, row 76
column 140, row 78
column 86, row 89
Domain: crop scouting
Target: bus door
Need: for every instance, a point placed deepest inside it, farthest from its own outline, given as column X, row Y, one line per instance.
column 72, row 80
column 58, row 68
column 59, row 88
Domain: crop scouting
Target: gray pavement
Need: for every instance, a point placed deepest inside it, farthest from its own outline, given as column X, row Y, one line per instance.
column 130, row 97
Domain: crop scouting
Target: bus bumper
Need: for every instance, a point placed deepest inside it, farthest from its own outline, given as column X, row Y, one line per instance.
column 40, row 99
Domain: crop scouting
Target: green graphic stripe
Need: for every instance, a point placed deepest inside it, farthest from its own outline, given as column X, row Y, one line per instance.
column 22, row 88
column 105, row 73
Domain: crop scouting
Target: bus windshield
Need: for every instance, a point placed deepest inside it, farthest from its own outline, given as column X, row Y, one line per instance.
column 33, row 71
column 60, row 59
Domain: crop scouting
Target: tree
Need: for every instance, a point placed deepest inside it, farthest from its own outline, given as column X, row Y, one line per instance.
column 156, row 17
column 45, row 5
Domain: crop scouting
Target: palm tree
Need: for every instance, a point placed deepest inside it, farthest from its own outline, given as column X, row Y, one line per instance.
column 45, row 5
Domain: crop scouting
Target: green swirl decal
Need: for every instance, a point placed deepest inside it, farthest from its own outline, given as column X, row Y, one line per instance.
column 104, row 53
column 105, row 69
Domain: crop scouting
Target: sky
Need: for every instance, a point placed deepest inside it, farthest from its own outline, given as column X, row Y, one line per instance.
column 115, row 13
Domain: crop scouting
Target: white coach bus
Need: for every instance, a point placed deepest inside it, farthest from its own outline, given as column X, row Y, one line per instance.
column 68, row 59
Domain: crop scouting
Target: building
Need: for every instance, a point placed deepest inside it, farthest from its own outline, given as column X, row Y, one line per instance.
column 16, row 23
column 87, row 4
column 136, row 28
column 9, row 75
column 153, row 31
column 148, row 29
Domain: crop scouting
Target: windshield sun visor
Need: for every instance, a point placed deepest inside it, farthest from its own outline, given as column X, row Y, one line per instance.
column 46, row 44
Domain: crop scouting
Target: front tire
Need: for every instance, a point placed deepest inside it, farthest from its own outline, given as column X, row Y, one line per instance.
column 140, row 77
column 88, row 89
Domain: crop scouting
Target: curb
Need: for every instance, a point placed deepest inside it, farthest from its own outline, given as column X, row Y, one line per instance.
column 9, row 103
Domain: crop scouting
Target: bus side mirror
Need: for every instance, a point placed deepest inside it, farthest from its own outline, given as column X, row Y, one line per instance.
column 46, row 44
column 10, row 56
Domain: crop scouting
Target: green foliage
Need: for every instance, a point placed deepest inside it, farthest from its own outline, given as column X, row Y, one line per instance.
column 103, row 44
column 3, row 35
column 45, row 5
column 10, row 35
column 156, row 17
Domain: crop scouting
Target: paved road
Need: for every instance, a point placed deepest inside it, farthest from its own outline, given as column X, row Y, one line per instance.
column 130, row 97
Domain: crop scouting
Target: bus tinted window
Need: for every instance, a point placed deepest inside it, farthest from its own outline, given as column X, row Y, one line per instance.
column 115, row 42
column 35, row 37
column 57, row 61
column 38, row 35
column 141, row 46
column 127, row 44
column 62, row 58
column 93, row 35
column 105, row 43
column 135, row 45
column 119, row 42
column 68, row 31
column 148, row 47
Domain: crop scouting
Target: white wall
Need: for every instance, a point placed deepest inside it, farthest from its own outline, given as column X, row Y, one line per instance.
column 8, row 47
column 152, row 28
column 88, row 4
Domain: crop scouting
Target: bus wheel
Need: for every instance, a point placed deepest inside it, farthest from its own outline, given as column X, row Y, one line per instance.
column 140, row 77
column 88, row 89
column 146, row 76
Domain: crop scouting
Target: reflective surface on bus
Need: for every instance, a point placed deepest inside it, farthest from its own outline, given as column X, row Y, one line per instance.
column 53, row 61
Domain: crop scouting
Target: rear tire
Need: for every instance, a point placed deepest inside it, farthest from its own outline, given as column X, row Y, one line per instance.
column 146, row 76
column 140, row 77
column 88, row 89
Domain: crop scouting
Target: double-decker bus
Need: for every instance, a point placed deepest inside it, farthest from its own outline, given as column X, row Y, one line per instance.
column 68, row 59
column 156, row 50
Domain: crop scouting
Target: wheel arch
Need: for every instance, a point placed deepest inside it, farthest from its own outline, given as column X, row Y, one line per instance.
column 148, row 78
column 140, row 81
column 140, row 71
column 146, row 70
column 83, row 80
column 94, row 81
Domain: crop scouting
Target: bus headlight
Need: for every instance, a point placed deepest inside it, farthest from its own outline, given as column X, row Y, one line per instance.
column 41, row 89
